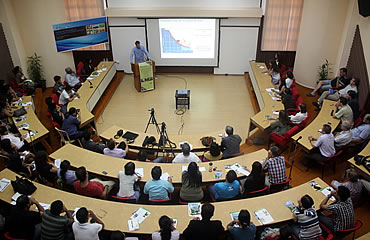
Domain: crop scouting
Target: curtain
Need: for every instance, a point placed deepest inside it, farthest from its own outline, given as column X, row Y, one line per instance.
column 281, row 27
column 83, row 9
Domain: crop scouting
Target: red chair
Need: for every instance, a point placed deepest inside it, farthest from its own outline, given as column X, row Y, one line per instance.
column 123, row 199
column 303, row 124
column 277, row 187
column 258, row 193
column 80, row 67
column 293, row 111
column 295, row 93
column 55, row 98
column 343, row 233
column 161, row 202
column 283, row 141
column 17, row 89
column 326, row 232
column 8, row 237
column 331, row 160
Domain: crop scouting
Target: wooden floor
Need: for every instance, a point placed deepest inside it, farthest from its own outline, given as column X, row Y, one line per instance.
column 204, row 103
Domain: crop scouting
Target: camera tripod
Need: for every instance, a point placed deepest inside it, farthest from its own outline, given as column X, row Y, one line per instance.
column 163, row 140
column 153, row 121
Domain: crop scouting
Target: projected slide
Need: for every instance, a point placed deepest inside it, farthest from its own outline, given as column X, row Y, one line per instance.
column 187, row 38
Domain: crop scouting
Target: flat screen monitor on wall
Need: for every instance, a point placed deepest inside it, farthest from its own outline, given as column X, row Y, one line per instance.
column 183, row 42
column 80, row 34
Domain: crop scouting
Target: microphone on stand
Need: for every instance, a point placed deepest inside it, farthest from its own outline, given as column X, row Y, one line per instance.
column 91, row 85
column 298, row 138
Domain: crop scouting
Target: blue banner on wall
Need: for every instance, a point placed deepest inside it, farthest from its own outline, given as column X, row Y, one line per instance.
column 80, row 34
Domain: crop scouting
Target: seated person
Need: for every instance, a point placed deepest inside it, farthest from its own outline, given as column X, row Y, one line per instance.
column 307, row 221
column 256, row 179
column 111, row 150
column 281, row 125
column 88, row 67
column 354, row 185
column 58, row 85
column 300, row 116
column 71, row 124
column 67, row 176
column 83, row 229
column 282, row 233
column 274, row 71
column 56, row 113
column 54, row 225
column 186, row 156
column 91, row 188
column 339, row 82
column 287, row 99
column 19, row 143
column 205, row 228
column 343, row 111
column 158, row 189
column 323, row 148
column 230, row 143
column 72, row 79
column 334, row 95
column 167, row 230
column 345, row 136
column 228, row 189
column 22, row 81
column 14, row 161
column 89, row 144
column 142, row 156
column 22, row 222
column 242, row 228
column 213, row 154
column 285, row 83
column 46, row 169
column 342, row 210
column 127, row 181
column 191, row 189
column 67, row 95
column 362, row 132
column 275, row 166
column 353, row 103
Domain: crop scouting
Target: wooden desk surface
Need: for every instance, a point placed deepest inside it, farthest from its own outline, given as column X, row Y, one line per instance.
column 86, row 92
column 115, row 215
column 361, row 169
column 97, row 163
column 364, row 237
column 312, row 129
column 33, row 121
column 264, row 81
column 193, row 139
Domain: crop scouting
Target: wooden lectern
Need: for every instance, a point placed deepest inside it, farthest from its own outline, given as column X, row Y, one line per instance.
column 135, row 70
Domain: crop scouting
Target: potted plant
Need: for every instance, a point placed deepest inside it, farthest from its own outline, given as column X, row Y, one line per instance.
column 324, row 70
column 35, row 71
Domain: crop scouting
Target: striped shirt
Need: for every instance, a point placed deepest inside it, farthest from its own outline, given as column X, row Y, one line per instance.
column 308, row 222
column 276, row 169
column 343, row 214
column 52, row 227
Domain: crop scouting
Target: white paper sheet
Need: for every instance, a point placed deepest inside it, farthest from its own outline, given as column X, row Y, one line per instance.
column 139, row 172
column 57, row 162
column 165, row 176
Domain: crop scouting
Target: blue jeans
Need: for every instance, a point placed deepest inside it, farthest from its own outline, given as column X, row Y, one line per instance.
column 136, row 196
column 295, row 229
column 159, row 160
column 327, row 221
column 326, row 85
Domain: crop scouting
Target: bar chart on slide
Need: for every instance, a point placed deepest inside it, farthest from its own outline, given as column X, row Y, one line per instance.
column 187, row 38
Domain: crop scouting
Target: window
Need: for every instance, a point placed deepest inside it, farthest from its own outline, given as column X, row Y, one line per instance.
column 83, row 9
column 281, row 25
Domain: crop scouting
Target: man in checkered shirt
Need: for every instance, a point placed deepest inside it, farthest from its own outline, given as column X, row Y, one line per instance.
column 275, row 166
column 342, row 210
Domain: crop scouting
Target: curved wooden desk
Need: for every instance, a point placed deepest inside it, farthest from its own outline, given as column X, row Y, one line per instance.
column 115, row 215
column 97, row 163
column 361, row 169
column 193, row 139
column 91, row 95
column 34, row 124
column 312, row 129
column 260, row 83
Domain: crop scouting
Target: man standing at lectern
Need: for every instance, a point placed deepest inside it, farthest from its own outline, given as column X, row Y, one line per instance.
column 139, row 54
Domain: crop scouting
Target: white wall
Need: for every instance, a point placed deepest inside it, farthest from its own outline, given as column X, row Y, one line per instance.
column 320, row 38
column 183, row 3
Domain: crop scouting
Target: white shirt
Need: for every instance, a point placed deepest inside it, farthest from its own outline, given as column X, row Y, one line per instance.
column 86, row 231
column 72, row 79
column 13, row 139
column 126, row 184
column 180, row 158
column 298, row 118
column 64, row 96
column 288, row 82
column 175, row 235
column 343, row 138
column 346, row 89
column 326, row 145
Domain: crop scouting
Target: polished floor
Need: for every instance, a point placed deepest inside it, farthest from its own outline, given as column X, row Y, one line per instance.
column 215, row 101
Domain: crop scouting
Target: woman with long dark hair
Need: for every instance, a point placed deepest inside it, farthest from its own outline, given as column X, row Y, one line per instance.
column 256, row 180
column 242, row 228
column 67, row 176
column 191, row 189
column 281, row 125
column 127, row 181
column 44, row 167
column 167, row 230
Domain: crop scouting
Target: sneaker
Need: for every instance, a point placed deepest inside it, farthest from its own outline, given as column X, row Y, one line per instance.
column 310, row 95
column 316, row 104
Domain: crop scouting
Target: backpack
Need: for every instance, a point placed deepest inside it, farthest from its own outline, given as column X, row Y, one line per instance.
column 23, row 186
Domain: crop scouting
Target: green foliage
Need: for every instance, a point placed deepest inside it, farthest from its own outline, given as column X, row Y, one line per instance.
column 324, row 70
column 35, row 69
